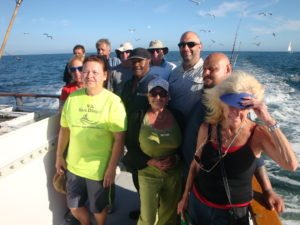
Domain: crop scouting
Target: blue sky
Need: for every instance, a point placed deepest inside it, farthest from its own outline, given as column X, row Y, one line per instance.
column 266, row 25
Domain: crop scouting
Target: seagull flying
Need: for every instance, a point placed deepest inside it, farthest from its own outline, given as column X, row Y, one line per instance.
column 197, row 2
column 212, row 15
column 265, row 14
column 204, row 30
column 213, row 41
column 274, row 34
column 25, row 33
column 131, row 30
column 257, row 44
column 48, row 36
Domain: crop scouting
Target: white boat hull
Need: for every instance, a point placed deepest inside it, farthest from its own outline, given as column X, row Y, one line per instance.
column 26, row 171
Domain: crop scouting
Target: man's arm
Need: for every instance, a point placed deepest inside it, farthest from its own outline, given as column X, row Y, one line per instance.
column 273, row 200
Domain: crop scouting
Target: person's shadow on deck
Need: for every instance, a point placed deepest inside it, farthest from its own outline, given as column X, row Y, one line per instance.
column 126, row 200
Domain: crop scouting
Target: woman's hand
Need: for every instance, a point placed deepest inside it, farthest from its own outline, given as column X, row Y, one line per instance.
column 182, row 204
column 163, row 164
column 60, row 165
column 260, row 109
column 109, row 176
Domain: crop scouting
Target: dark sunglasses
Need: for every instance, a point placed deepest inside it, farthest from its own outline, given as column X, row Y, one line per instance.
column 190, row 44
column 128, row 52
column 74, row 68
column 154, row 50
column 161, row 93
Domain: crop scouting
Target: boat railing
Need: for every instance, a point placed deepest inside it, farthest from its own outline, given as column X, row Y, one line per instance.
column 19, row 96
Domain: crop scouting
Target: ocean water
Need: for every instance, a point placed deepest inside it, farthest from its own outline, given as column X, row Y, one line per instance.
column 278, row 71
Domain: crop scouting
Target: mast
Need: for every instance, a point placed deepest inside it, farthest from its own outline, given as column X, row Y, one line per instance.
column 18, row 3
column 235, row 39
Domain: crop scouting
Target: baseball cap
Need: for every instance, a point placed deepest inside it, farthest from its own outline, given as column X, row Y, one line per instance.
column 158, row 82
column 140, row 53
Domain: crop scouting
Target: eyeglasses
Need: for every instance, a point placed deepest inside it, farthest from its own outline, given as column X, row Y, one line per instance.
column 154, row 50
column 190, row 44
column 74, row 68
column 161, row 93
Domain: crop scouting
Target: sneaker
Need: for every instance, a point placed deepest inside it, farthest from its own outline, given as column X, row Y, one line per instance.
column 134, row 214
column 69, row 219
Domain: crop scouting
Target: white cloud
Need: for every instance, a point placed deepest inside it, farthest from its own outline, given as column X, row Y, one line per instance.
column 162, row 8
column 292, row 25
column 268, row 4
column 65, row 23
column 225, row 8
column 253, row 9
column 287, row 25
column 46, row 22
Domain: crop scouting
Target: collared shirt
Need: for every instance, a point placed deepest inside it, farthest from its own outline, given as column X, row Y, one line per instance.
column 163, row 70
column 185, row 87
column 113, row 62
column 118, row 77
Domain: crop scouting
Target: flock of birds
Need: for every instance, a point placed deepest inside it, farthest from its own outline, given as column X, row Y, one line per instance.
column 197, row 2
column 264, row 14
column 45, row 34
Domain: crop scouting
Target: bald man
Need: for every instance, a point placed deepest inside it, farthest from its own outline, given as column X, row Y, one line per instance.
column 216, row 69
column 186, row 79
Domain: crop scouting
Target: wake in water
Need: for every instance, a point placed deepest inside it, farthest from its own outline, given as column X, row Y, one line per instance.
column 283, row 100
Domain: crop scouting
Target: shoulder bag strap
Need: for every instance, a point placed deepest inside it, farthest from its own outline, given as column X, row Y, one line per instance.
column 224, row 176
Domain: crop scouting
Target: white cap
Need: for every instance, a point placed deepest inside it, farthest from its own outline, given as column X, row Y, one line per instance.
column 125, row 47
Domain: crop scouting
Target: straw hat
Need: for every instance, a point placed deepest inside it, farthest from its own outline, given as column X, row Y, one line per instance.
column 157, row 44
column 59, row 183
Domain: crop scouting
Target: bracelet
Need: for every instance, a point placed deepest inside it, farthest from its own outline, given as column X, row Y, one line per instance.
column 273, row 127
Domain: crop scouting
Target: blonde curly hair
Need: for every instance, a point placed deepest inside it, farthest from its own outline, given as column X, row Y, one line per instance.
column 238, row 82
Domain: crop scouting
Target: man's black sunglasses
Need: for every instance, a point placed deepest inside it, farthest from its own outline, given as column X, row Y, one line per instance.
column 190, row 44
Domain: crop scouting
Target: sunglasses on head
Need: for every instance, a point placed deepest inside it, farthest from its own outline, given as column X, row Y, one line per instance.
column 74, row 68
column 190, row 44
column 154, row 50
column 160, row 93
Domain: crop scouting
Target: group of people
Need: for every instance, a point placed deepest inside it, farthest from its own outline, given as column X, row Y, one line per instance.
column 190, row 144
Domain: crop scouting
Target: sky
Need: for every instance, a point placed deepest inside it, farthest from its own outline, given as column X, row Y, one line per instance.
column 253, row 25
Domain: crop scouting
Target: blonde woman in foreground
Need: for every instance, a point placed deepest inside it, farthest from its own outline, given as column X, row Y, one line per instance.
column 227, row 147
